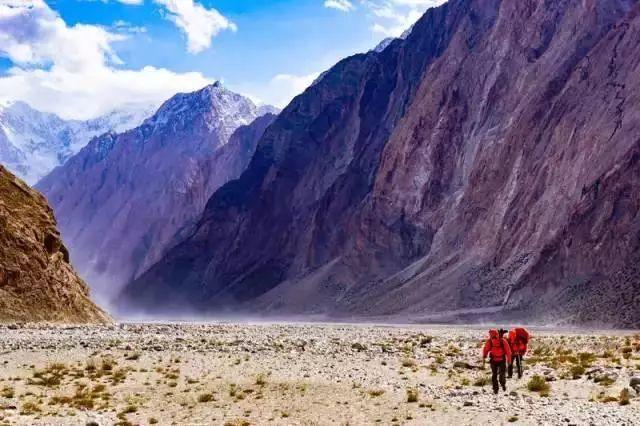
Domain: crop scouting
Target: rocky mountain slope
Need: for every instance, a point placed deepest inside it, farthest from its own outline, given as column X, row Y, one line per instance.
column 37, row 283
column 32, row 143
column 485, row 167
column 122, row 199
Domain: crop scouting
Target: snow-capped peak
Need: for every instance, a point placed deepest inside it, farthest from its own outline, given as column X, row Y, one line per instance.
column 218, row 109
column 32, row 142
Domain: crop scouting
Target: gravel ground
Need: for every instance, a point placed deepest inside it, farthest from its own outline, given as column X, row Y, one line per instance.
column 305, row 374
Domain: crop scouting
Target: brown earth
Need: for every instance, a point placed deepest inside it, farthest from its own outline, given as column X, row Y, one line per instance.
column 37, row 283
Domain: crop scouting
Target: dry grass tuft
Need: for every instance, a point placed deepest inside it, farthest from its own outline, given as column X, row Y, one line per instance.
column 539, row 384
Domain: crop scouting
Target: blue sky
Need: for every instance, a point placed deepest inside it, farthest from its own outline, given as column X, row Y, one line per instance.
column 107, row 53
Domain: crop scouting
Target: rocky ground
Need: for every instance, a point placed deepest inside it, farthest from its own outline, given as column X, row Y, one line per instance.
column 298, row 374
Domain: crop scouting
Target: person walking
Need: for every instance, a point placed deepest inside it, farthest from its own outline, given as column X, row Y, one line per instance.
column 518, row 340
column 499, row 353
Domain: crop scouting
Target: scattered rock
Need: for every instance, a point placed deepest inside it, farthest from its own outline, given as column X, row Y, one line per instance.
column 358, row 347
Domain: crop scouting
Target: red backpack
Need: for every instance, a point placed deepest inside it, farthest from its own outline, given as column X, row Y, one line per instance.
column 497, row 351
column 522, row 335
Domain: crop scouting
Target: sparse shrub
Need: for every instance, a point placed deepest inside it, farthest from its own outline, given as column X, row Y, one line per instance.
column 29, row 408
column 481, row 381
column 408, row 362
column 606, row 354
column 205, row 397
column 376, row 392
column 604, row 380
column 153, row 421
column 624, row 397
column 412, row 395
column 7, row 392
column 586, row 358
column 425, row 340
column 129, row 409
column 358, row 347
column 462, row 365
column 577, row 371
column 261, row 380
column 133, row 357
column 49, row 377
column 107, row 364
column 238, row 422
column 538, row 384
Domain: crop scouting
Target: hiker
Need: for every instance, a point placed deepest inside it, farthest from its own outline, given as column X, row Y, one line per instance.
column 499, row 352
column 518, row 340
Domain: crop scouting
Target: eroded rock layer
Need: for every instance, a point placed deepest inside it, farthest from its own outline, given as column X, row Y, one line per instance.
column 485, row 167
column 37, row 283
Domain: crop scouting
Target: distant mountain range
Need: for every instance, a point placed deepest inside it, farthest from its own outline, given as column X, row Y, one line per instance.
column 125, row 198
column 487, row 167
column 32, row 143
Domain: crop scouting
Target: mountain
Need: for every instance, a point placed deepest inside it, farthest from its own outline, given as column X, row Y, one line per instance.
column 123, row 198
column 37, row 283
column 32, row 143
column 484, row 168
column 387, row 41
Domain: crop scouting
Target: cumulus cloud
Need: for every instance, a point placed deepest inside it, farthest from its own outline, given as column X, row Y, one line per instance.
column 390, row 17
column 343, row 5
column 73, row 70
column 198, row 23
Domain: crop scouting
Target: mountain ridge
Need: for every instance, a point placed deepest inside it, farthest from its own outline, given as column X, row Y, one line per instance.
column 33, row 143
column 434, row 176
column 121, row 200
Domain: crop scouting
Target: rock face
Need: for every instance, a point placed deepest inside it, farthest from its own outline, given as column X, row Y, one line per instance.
column 37, row 283
column 485, row 167
column 122, row 199
column 32, row 143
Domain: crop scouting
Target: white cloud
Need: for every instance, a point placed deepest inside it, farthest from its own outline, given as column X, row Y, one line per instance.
column 127, row 27
column 198, row 23
column 343, row 5
column 280, row 90
column 393, row 17
column 129, row 2
column 73, row 70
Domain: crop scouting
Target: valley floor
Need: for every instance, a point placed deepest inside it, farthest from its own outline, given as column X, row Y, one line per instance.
column 301, row 374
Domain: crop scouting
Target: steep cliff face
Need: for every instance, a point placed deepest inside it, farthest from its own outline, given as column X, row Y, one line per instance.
column 36, row 281
column 121, row 201
column 451, row 173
